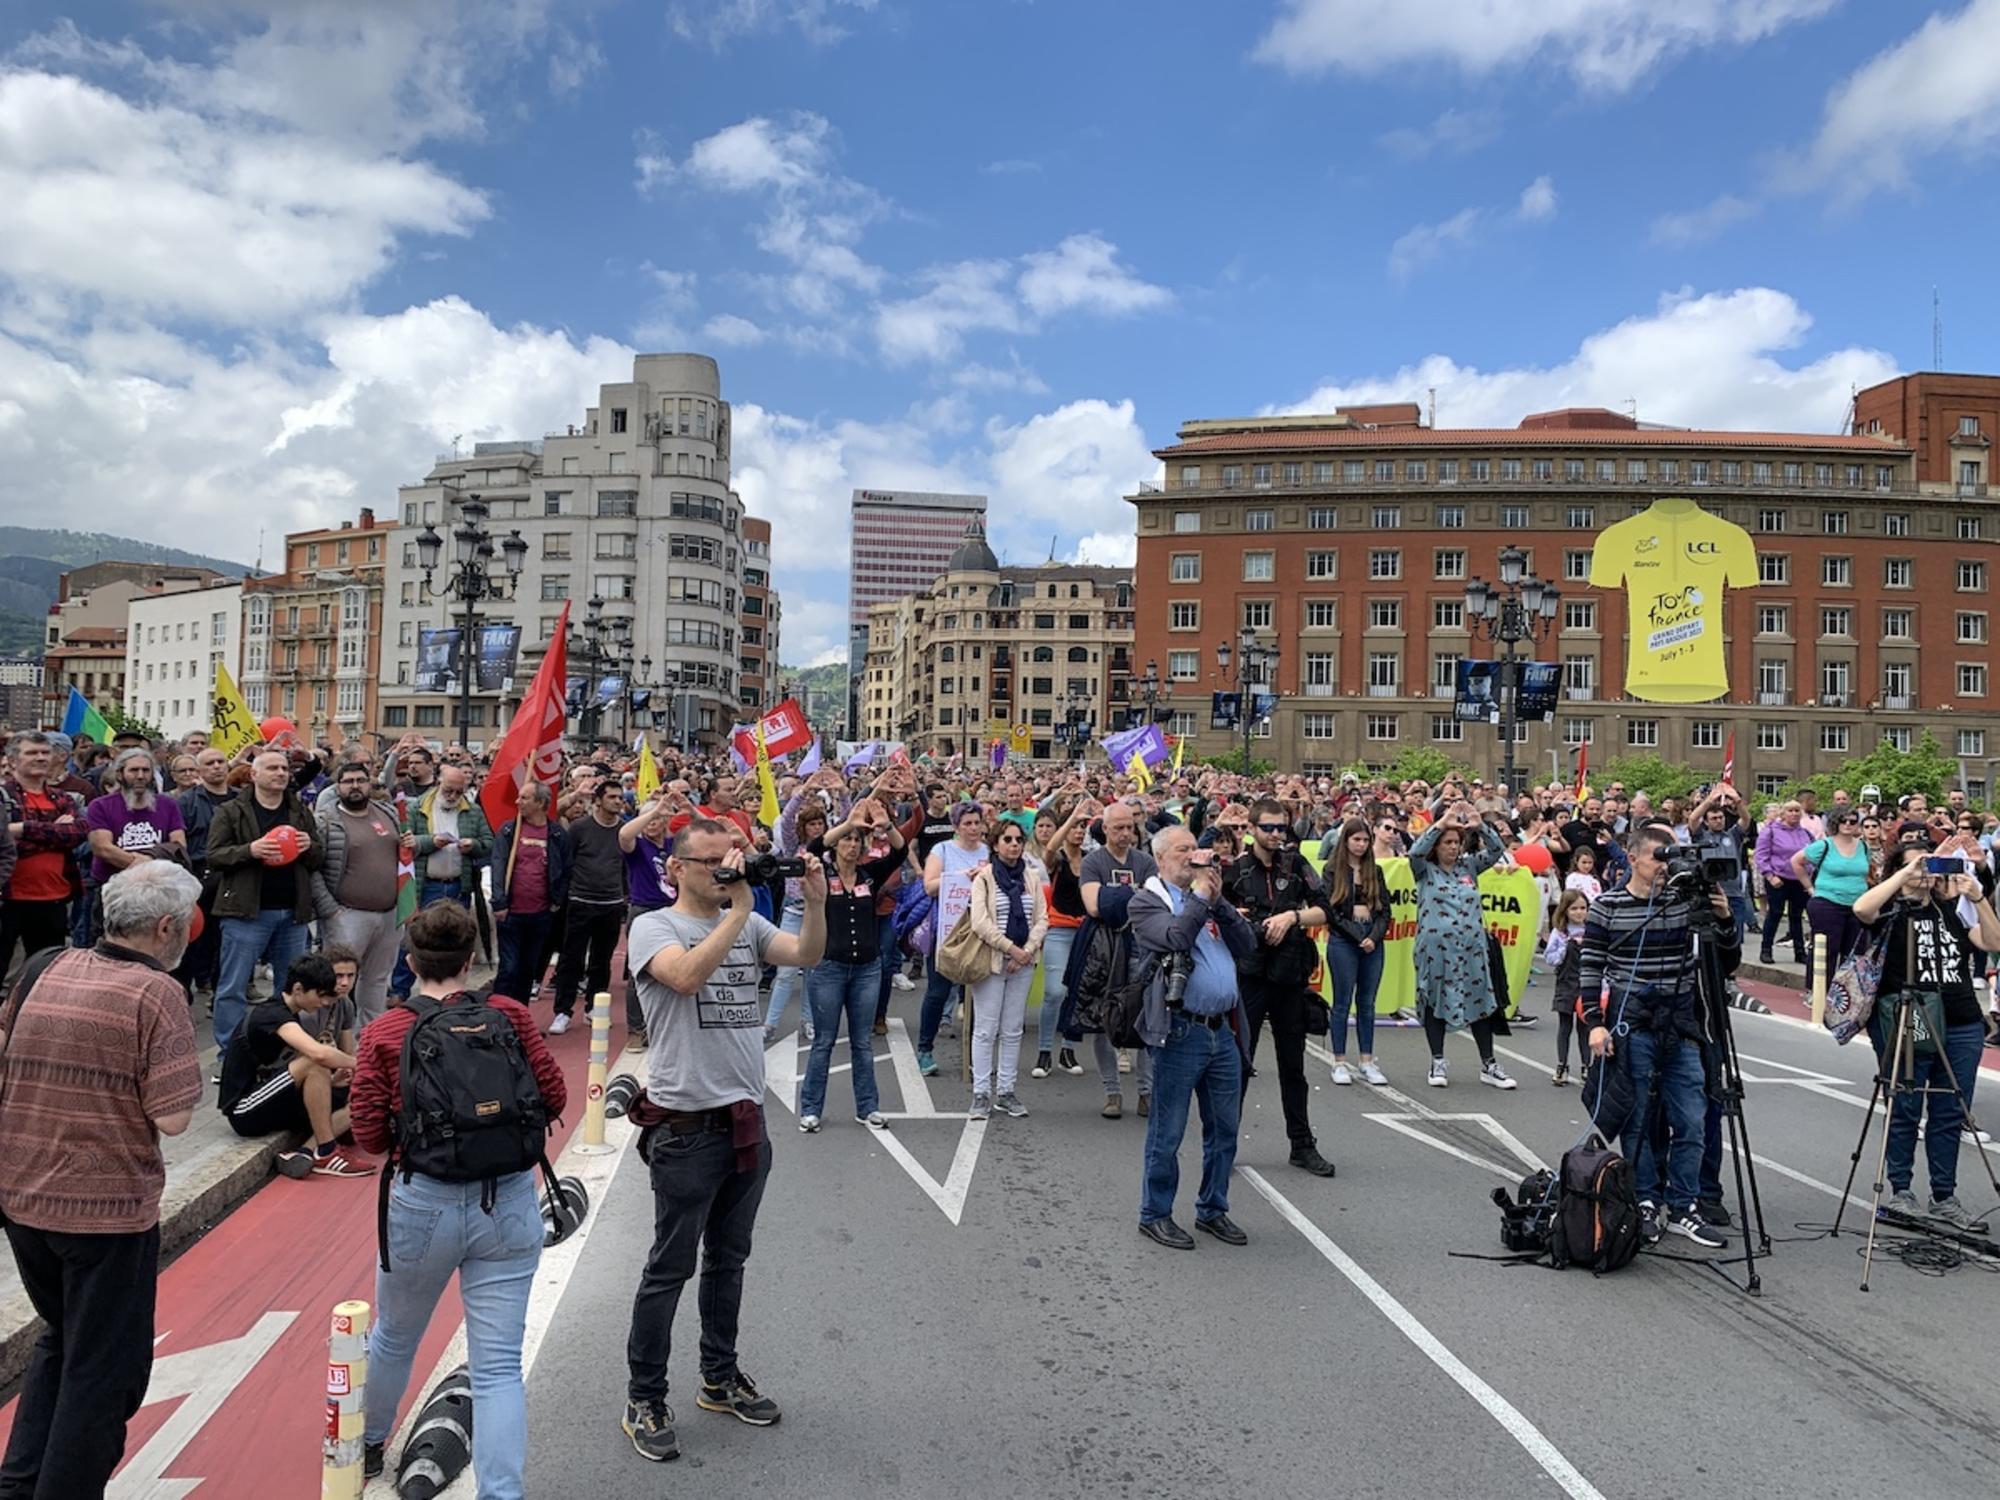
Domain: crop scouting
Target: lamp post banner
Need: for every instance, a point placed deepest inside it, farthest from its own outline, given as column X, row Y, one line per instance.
column 1478, row 696
column 1536, row 698
column 437, row 659
column 499, row 647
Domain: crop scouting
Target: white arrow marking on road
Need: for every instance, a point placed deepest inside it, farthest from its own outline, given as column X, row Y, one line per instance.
column 948, row 1195
column 203, row 1379
column 1402, row 1125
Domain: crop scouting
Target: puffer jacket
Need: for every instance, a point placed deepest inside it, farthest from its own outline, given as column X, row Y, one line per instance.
column 333, row 862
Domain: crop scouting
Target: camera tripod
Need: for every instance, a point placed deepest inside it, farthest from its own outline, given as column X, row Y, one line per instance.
column 1897, row 1080
column 1727, row 1091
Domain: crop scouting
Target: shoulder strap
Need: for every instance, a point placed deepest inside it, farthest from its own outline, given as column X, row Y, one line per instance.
column 32, row 970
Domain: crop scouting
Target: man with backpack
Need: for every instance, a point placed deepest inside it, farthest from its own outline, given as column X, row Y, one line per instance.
column 462, row 1199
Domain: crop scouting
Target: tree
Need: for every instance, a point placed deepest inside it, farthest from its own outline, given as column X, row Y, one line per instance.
column 121, row 722
column 1232, row 762
column 1924, row 767
column 1657, row 777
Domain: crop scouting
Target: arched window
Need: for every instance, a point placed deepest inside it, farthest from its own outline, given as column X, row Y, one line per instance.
column 1042, row 654
column 947, row 654
column 1078, row 653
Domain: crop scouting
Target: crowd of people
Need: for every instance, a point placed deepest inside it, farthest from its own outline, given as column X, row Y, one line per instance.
column 1164, row 924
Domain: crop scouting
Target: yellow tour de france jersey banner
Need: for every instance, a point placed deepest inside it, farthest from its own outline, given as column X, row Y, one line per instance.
column 1675, row 560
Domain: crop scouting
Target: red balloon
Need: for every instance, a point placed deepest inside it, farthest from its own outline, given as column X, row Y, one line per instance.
column 278, row 727
column 290, row 845
column 1535, row 858
column 196, row 921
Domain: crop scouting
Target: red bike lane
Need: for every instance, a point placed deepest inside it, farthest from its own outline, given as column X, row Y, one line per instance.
column 237, row 1406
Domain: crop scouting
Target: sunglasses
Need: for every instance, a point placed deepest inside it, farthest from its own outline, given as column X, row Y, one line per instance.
column 1270, row 827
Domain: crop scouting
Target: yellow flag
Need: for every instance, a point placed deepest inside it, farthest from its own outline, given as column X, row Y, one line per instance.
column 767, row 806
column 1180, row 749
column 1136, row 769
column 1020, row 739
column 647, row 785
column 231, row 726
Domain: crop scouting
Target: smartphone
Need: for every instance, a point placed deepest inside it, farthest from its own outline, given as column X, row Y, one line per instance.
column 1943, row 864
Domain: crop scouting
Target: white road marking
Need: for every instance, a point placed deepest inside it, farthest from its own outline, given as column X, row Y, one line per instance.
column 1402, row 1126
column 201, row 1380
column 916, row 1093
column 948, row 1195
column 1503, row 1411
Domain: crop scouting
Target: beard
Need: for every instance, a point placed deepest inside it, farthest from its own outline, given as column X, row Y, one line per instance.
column 356, row 801
column 138, row 799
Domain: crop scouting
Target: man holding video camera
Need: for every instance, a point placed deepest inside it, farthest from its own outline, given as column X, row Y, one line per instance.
column 1638, row 978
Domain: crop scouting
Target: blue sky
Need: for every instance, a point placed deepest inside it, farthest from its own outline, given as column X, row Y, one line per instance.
column 268, row 258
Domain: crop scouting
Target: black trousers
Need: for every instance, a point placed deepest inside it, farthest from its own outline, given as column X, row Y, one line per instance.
column 589, row 939
column 635, row 1014
column 35, row 925
column 203, row 958
column 699, row 1200
column 1788, row 900
column 89, row 1370
column 1284, row 1005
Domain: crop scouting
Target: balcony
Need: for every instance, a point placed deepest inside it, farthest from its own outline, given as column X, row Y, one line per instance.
column 1833, row 700
column 1443, row 690
column 1384, row 690
column 1897, row 702
column 1579, row 694
column 1779, row 698
column 1317, row 690
column 1969, row 491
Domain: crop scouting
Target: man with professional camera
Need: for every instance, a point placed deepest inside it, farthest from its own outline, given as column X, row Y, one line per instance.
column 1280, row 896
column 1639, row 980
column 1187, row 936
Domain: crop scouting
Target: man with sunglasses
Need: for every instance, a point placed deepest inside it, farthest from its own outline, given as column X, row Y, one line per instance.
column 1280, row 895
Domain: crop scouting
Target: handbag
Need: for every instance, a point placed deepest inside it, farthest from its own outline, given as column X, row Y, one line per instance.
column 963, row 957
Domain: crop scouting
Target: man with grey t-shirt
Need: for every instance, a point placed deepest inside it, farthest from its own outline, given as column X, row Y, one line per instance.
column 1123, row 864
column 697, row 964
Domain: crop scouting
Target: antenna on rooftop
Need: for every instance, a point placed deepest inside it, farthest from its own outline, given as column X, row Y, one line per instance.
column 260, row 549
column 1052, row 546
column 1937, row 331
column 1632, row 409
column 1432, row 419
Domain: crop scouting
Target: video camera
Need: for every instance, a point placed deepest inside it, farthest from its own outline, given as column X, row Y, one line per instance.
column 761, row 869
column 1691, row 874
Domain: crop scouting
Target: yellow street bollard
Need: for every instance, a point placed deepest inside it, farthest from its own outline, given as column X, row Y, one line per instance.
column 1819, row 979
column 593, row 1143
column 346, row 1375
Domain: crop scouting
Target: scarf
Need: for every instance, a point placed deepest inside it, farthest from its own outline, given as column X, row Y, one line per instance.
column 1011, row 882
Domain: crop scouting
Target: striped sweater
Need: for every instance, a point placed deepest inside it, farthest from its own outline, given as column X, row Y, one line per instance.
column 1639, row 963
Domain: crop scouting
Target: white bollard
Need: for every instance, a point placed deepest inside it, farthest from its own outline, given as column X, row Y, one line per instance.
column 346, row 1375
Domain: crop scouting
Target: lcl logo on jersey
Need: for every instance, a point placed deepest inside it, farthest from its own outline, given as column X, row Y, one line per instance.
column 1702, row 551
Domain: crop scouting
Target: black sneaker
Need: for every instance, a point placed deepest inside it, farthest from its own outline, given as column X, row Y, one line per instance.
column 1066, row 1060
column 1044, row 1065
column 1712, row 1212
column 1650, row 1228
column 373, row 1459
column 1688, row 1223
column 735, row 1395
column 1308, row 1159
column 1527, row 1020
column 650, row 1426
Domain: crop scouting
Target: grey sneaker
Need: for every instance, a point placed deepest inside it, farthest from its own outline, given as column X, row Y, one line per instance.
column 650, row 1426
column 1904, row 1203
column 1012, row 1106
column 1950, row 1212
column 982, row 1107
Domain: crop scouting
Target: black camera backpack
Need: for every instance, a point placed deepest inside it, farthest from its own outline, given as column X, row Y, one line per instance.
column 1597, row 1209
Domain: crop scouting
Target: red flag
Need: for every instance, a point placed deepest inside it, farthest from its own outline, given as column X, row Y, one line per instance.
column 1729, row 760
column 785, row 730
column 1582, row 768
column 533, row 745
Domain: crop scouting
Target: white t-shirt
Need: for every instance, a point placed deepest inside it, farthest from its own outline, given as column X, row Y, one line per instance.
column 703, row 1051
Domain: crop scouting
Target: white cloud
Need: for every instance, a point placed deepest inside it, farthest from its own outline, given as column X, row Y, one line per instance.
column 1606, row 45
column 1418, row 246
column 1697, row 361
column 963, row 298
column 1083, row 272
column 1538, row 201
column 717, row 23
column 759, row 153
column 1010, row 166
column 1937, row 90
column 1068, row 470
column 732, row 332
column 1016, row 377
column 1702, row 224
column 1455, row 131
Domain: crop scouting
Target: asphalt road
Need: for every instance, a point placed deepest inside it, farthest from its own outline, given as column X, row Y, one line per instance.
column 1023, row 1340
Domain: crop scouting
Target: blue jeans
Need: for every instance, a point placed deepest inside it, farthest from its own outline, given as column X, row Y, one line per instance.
column 1739, row 908
column 1055, row 958
column 524, row 945
column 1670, row 1065
column 1199, row 1064
column 436, row 1228
column 401, row 979
column 1962, row 1047
column 840, row 989
column 1357, row 976
column 937, row 996
column 271, row 937
column 794, row 917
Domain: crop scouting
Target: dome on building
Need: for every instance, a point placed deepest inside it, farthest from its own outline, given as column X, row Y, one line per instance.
column 973, row 555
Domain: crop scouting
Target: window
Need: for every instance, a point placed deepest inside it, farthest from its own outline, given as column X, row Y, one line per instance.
column 1322, row 517
column 1772, row 520
column 1582, row 517
column 1897, row 738
column 1971, row 742
column 1774, row 567
column 1478, row 470
column 1386, row 517
column 1183, row 666
column 1320, row 614
column 1183, row 615
column 1385, row 673
column 1770, row 783
column 1972, row 679
column 1697, row 471
column 614, row 585
column 1852, row 475
column 1042, row 622
column 1823, row 475
column 1448, row 614
column 1292, row 473
column 1260, row 475
column 1895, row 523
column 618, row 503
column 1971, row 577
column 1897, row 572
column 1232, row 476
column 1833, row 739
column 1606, row 470
column 1256, row 614
column 1836, row 681
column 1833, row 523
column 1635, row 470
column 1579, row 614
column 1836, row 572
column 1896, row 624
column 1186, row 521
column 1384, row 727
column 1543, row 468
column 1449, row 562
column 1451, row 518
column 1322, row 564
column 1885, row 477
column 1732, row 471
column 1447, row 471
column 1576, row 565
column 1446, row 730
column 1260, row 520
column 1352, row 471
column 1323, row 472
column 1417, row 470
column 1773, row 678
column 1579, row 731
column 1774, row 619
column 1385, row 471
column 1514, row 518
column 1579, row 675
column 1573, row 470
column 1185, row 567
column 554, row 586
column 1771, row 736
column 1317, row 680
column 1258, row 567
column 1388, row 563
column 1760, row 473
column 1968, row 528
column 1670, row 471
column 1968, row 427
column 395, row 716
column 1836, row 621
column 1385, row 614
column 430, row 716
column 1642, row 734
column 1316, row 726
column 1190, row 476
column 621, row 544
column 1705, row 734
column 1971, row 628
column 1510, row 469
column 1444, row 673
column 1896, row 683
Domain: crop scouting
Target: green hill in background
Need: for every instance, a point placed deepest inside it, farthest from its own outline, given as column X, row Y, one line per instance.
column 31, row 561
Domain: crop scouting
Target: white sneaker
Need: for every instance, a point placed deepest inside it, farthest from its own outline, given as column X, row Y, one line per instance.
column 1342, row 1074
column 1124, row 1060
column 1372, row 1074
column 874, row 1120
column 1491, row 1073
column 1438, row 1080
column 901, row 981
column 809, row 1124
column 558, row 1026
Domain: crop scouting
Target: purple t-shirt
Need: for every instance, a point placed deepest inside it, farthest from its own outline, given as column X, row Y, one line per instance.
column 130, row 829
column 645, row 870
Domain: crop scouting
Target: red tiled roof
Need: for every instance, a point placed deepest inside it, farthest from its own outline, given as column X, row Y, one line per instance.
column 1496, row 439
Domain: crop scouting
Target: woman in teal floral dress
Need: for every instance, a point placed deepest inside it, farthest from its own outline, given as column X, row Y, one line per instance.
column 1454, row 981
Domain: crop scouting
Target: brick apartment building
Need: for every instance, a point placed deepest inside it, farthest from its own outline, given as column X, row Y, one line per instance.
column 312, row 632
column 1346, row 541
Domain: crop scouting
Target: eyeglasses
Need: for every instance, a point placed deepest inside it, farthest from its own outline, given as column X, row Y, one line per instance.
column 1871, row 823
column 710, row 864
column 1968, row 828
column 1270, row 827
